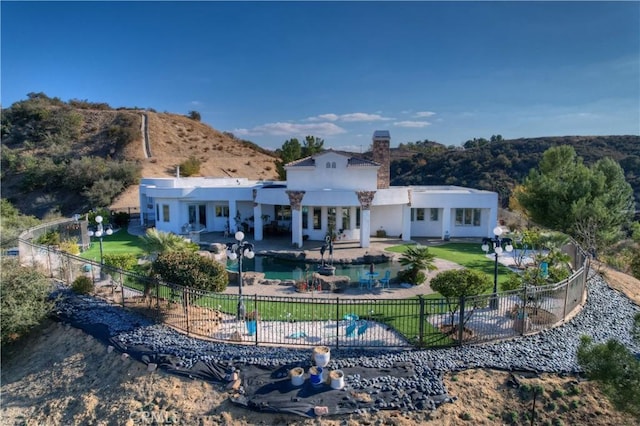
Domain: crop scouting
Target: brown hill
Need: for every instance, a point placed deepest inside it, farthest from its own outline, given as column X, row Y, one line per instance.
column 174, row 138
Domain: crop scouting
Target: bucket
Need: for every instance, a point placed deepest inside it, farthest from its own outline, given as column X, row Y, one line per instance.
column 337, row 379
column 321, row 355
column 315, row 376
column 297, row 376
column 251, row 328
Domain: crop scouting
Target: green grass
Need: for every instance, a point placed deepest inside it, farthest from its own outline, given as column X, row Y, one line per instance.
column 120, row 242
column 469, row 255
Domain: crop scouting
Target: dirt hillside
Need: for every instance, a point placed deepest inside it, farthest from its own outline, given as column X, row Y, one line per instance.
column 174, row 138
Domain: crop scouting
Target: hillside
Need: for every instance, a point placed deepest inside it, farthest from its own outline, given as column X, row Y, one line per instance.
column 69, row 157
column 500, row 165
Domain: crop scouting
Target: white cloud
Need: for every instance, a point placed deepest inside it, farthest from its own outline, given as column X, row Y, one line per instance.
column 424, row 114
column 195, row 103
column 412, row 124
column 292, row 129
column 351, row 117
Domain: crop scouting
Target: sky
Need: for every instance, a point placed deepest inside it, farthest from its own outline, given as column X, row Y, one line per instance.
column 271, row 71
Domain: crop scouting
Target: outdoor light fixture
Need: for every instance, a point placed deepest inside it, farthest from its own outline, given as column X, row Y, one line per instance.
column 238, row 251
column 100, row 232
column 498, row 245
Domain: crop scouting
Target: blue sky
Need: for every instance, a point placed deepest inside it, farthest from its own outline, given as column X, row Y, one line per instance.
column 267, row 71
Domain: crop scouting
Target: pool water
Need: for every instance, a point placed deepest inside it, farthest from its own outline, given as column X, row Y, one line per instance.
column 279, row 269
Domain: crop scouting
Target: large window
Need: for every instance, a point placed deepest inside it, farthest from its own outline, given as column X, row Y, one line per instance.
column 165, row 213
column 305, row 217
column 283, row 213
column 468, row 217
column 433, row 215
column 222, row 211
column 419, row 214
column 317, row 214
column 346, row 218
column 357, row 217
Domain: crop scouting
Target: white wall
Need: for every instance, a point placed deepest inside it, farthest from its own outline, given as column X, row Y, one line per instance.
column 342, row 177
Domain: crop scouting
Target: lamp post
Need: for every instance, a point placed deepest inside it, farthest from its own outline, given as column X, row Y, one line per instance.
column 238, row 251
column 100, row 232
column 496, row 243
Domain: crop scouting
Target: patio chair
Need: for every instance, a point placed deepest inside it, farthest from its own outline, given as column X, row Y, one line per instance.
column 363, row 280
column 362, row 329
column 385, row 280
column 351, row 329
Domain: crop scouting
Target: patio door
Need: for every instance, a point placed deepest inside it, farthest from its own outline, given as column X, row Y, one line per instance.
column 198, row 215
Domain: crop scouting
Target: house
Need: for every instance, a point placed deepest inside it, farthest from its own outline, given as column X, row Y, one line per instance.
column 329, row 193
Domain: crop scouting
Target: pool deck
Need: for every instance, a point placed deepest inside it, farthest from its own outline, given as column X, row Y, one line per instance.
column 343, row 251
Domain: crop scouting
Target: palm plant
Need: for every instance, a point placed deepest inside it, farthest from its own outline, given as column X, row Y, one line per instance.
column 418, row 259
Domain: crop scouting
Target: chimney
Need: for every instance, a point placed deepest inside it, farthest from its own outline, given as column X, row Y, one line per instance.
column 381, row 155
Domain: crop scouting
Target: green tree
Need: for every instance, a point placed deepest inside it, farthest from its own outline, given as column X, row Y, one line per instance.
column 156, row 242
column 24, row 299
column 418, row 259
column 291, row 150
column 616, row 368
column 591, row 204
column 191, row 270
column 312, row 145
column 455, row 284
column 12, row 223
column 194, row 115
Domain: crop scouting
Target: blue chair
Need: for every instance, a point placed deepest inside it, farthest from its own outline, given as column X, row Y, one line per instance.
column 351, row 329
column 385, row 280
column 362, row 329
column 363, row 280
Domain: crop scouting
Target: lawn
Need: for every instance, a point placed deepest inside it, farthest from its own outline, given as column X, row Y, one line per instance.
column 468, row 255
column 120, row 242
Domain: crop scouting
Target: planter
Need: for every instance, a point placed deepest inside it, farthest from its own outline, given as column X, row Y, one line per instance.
column 297, row 376
column 321, row 355
column 337, row 379
column 315, row 376
column 251, row 327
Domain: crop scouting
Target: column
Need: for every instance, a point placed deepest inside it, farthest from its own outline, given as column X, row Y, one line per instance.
column 233, row 209
column 406, row 222
column 446, row 222
column 295, row 200
column 365, row 198
column 258, row 226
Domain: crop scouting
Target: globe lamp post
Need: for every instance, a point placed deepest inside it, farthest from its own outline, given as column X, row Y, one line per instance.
column 498, row 245
column 239, row 250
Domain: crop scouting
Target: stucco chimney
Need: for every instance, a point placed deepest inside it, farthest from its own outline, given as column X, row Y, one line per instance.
column 381, row 155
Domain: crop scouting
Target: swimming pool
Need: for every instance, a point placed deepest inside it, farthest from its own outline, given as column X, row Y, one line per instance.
column 280, row 269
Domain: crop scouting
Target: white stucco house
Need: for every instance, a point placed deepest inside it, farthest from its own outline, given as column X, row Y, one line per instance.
column 329, row 193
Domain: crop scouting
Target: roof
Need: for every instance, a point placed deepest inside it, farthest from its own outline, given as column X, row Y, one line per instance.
column 351, row 160
column 381, row 134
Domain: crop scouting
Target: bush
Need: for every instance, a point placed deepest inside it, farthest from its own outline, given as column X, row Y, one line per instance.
column 49, row 238
column 24, row 299
column 121, row 219
column 82, row 285
column 191, row 270
column 194, row 115
column 190, row 167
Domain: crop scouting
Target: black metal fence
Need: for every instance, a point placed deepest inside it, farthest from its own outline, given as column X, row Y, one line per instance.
column 325, row 319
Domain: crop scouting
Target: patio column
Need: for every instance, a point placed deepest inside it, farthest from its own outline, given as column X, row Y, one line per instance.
column 295, row 200
column 365, row 198
column 233, row 209
column 406, row 222
column 258, row 226
column 446, row 222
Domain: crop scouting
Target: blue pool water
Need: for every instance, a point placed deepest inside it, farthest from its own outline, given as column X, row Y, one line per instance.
column 288, row 270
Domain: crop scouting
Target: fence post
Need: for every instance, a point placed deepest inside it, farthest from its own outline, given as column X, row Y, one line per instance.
column 566, row 296
column 421, row 320
column 461, row 321
column 185, row 305
column 255, row 308
column 157, row 282
column 122, row 287
column 337, row 322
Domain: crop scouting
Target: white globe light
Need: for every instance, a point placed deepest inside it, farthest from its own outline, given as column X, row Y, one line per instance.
column 98, row 234
column 239, row 235
column 98, row 219
column 497, row 230
column 250, row 254
column 232, row 256
column 91, row 233
column 485, row 247
column 109, row 231
column 498, row 250
column 509, row 248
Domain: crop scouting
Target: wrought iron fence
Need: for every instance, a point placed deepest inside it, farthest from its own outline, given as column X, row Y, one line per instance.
column 323, row 320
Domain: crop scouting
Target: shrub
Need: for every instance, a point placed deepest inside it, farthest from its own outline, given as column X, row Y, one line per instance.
column 194, row 115
column 24, row 299
column 121, row 219
column 49, row 238
column 191, row 270
column 190, row 167
column 70, row 246
column 82, row 285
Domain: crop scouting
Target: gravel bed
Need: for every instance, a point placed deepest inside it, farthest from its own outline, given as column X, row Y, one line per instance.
column 607, row 315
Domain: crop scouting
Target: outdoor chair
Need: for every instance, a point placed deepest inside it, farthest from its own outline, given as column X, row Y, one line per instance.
column 363, row 280
column 351, row 329
column 385, row 280
column 362, row 329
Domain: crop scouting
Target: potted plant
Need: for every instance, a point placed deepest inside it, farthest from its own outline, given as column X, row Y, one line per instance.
column 251, row 321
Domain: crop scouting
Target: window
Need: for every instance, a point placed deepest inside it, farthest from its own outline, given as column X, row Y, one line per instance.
column 165, row 213
column 420, row 214
column 328, row 165
column 346, row 218
column 357, row 217
column 317, row 213
column 468, row 217
column 433, row 215
column 283, row 212
column 305, row 217
column 333, row 165
column 222, row 211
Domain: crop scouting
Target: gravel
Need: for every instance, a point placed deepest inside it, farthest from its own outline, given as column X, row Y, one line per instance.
column 607, row 314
